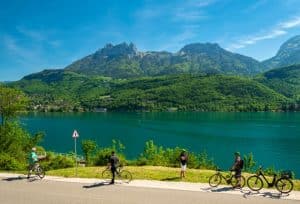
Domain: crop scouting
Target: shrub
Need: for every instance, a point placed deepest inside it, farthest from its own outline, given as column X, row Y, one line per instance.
column 8, row 162
column 88, row 147
column 249, row 162
column 103, row 154
column 205, row 162
column 58, row 161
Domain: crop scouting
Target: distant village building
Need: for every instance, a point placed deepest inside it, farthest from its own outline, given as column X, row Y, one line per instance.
column 100, row 110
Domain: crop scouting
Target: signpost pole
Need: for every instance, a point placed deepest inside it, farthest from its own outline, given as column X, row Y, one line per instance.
column 75, row 135
column 75, row 156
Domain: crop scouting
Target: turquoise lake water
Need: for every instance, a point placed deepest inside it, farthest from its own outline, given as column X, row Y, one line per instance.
column 273, row 138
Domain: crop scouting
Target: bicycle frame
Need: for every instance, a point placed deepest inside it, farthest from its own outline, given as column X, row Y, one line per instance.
column 118, row 169
column 260, row 174
column 227, row 177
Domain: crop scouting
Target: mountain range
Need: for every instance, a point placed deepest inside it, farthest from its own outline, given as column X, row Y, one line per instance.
column 125, row 61
column 200, row 76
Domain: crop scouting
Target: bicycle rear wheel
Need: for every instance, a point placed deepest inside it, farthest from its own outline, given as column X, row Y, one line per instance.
column 106, row 174
column 234, row 181
column 255, row 183
column 40, row 172
column 215, row 180
column 125, row 176
column 284, row 185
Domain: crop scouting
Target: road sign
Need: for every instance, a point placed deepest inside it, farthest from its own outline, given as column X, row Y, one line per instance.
column 75, row 134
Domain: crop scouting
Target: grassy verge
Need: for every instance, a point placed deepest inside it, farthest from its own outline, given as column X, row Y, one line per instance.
column 150, row 173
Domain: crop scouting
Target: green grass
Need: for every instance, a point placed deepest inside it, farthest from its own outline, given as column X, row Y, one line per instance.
column 151, row 173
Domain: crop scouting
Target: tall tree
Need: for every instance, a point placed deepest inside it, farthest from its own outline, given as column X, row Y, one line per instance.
column 12, row 102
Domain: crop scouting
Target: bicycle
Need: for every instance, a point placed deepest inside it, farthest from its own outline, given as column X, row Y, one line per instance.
column 121, row 174
column 216, row 179
column 283, row 184
column 38, row 170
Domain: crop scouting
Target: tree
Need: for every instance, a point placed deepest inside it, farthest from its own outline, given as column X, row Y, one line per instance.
column 88, row 147
column 12, row 102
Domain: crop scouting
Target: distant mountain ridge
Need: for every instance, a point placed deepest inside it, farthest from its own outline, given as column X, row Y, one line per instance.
column 125, row 61
column 288, row 54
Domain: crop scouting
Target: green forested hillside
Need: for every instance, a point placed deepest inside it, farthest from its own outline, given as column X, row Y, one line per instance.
column 284, row 80
column 68, row 91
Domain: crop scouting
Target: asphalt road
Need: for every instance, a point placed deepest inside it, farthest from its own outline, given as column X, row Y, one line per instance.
column 20, row 190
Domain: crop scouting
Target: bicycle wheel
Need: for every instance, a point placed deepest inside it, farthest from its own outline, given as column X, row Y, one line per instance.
column 284, row 185
column 40, row 172
column 255, row 183
column 215, row 180
column 106, row 174
column 234, row 181
column 125, row 176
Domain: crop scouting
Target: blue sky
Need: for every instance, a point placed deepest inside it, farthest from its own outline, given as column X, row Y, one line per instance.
column 35, row 35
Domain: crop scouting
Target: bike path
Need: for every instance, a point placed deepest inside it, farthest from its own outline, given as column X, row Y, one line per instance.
column 169, row 185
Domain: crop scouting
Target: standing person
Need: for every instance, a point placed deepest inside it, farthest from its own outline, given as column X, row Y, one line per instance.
column 183, row 162
column 113, row 162
column 237, row 168
column 33, row 159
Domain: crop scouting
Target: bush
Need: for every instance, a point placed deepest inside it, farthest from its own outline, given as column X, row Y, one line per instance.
column 88, row 147
column 58, row 161
column 270, row 171
column 158, row 156
column 15, row 145
column 205, row 162
column 8, row 162
column 103, row 154
column 153, row 155
column 249, row 162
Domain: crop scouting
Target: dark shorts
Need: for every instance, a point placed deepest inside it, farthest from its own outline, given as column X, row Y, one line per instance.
column 238, row 173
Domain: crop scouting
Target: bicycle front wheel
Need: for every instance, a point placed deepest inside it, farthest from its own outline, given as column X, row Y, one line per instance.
column 215, row 180
column 106, row 174
column 40, row 172
column 255, row 183
column 284, row 185
column 234, row 181
column 125, row 176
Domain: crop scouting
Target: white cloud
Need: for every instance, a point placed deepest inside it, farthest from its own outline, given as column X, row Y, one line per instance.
column 39, row 36
column 22, row 54
column 184, row 15
column 33, row 34
column 176, row 10
column 291, row 23
column 176, row 42
column 255, row 5
column 279, row 30
column 200, row 3
column 189, row 16
column 55, row 43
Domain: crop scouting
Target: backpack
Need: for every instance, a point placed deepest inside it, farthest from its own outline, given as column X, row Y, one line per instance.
column 242, row 164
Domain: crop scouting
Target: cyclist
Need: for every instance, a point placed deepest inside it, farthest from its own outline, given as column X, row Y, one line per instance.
column 183, row 158
column 113, row 163
column 33, row 159
column 237, row 168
